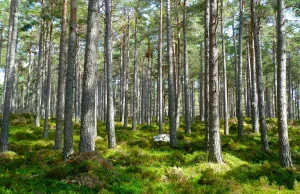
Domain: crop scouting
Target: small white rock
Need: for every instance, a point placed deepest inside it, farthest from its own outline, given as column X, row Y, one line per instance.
column 162, row 137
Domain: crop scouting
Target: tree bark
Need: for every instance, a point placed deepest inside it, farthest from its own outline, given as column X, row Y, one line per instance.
column 48, row 85
column 206, row 72
column 68, row 136
column 259, row 79
column 225, row 101
column 10, row 71
column 239, row 83
column 61, row 80
column 38, row 79
column 283, row 139
column 254, row 113
column 172, row 111
column 215, row 154
column 88, row 121
column 160, row 96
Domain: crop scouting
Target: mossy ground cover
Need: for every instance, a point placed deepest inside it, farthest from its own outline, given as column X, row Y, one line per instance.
column 139, row 165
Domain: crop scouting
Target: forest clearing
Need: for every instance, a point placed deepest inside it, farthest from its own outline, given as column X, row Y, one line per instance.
column 149, row 96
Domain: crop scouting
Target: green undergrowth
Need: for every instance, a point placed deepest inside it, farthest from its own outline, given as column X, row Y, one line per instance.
column 139, row 165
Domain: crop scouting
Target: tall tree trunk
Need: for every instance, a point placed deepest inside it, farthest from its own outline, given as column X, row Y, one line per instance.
column 215, row 154
column 110, row 124
column 201, row 102
column 172, row 111
column 126, row 75
column 274, row 79
column 186, row 76
column 206, row 72
column 259, row 79
column 239, row 83
column 48, row 85
column 88, row 121
column 13, row 31
column 290, row 88
column 160, row 91
column 27, row 105
column 283, row 139
column 135, row 64
column 225, row 101
column 60, row 85
column 254, row 113
column 38, row 76
column 68, row 134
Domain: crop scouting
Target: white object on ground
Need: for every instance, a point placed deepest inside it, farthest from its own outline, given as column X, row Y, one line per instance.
column 162, row 137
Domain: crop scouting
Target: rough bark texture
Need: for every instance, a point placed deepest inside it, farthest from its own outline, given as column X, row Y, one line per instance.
column 283, row 139
column 88, row 119
column 215, row 154
column 110, row 124
column 239, row 83
column 259, row 78
column 206, row 72
column 9, row 75
column 60, row 85
column 172, row 111
column 186, row 76
column 68, row 135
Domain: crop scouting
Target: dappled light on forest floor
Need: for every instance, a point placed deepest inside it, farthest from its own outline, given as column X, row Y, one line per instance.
column 139, row 165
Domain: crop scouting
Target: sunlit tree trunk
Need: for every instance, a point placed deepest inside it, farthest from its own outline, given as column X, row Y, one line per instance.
column 38, row 76
column 88, row 120
column 206, row 72
column 254, row 113
column 215, row 154
column 259, row 80
column 284, row 146
column 225, row 101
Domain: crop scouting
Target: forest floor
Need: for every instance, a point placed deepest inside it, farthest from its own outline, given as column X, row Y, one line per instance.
column 139, row 165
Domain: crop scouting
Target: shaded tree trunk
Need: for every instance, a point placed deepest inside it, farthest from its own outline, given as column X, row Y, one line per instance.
column 239, row 84
column 60, row 85
column 186, row 76
column 48, row 85
column 10, row 71
column 68, row 133
column 172, row 111
column 206, row 72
